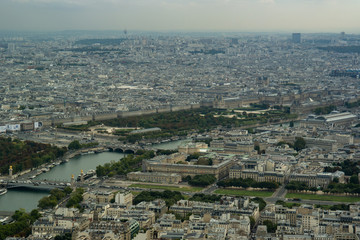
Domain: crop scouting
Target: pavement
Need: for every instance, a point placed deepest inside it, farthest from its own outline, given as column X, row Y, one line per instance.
column 279, row 194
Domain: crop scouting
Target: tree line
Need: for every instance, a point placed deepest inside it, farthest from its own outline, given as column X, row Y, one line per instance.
column 22, row 155
column 248, row 182
column 170, row 197
column 129, row 163
column 21, row 227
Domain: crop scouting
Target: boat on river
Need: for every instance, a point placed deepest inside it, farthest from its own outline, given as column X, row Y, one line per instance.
column 3, row 191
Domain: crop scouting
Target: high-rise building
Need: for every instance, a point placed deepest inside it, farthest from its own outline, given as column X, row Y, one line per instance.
column 296, row 37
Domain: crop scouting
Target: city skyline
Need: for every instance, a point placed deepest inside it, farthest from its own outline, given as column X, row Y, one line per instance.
column 164, row 15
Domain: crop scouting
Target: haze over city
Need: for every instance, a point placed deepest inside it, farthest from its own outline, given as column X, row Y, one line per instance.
column 181, row 15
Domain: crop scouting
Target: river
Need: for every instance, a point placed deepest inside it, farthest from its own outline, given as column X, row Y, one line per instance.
column 15, row 199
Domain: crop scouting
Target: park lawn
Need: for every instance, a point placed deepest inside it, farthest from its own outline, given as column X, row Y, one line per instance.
column 322, row 197
column 134, row 193
column 171, row 188
column 236, row 192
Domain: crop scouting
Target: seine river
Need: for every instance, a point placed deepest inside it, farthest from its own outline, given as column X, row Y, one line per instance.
column 15, row 199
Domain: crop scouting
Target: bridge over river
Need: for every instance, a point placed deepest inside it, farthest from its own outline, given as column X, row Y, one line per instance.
column 37, row 185
column 127, row 148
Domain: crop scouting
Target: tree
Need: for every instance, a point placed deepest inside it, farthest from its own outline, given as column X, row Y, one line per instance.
column 252, row 222
column 186, row 179
column 291, row 124
column 271, row 227
column 299, row 143
column 354, row 179
column 74, row 145
column 260, row 201
column 257, row 148
column 202, row 180
column 67, row 236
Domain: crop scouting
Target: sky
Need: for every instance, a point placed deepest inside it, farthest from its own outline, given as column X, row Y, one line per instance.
column 182, row 15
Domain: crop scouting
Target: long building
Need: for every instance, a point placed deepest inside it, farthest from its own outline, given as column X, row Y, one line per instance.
column 333, row 119
column 220, row 170
column 154, row 177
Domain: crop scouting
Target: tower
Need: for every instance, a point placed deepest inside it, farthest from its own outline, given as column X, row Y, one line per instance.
column 296, row 37
column 72, row 180
column 10, row 172
column 82, row 176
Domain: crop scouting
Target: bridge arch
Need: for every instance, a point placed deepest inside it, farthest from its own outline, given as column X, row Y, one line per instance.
column 129, row 151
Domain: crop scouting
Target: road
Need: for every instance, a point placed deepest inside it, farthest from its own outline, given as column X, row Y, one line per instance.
column 279, row 194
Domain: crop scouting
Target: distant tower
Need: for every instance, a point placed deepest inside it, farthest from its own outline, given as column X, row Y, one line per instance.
column 82, row 176
column 72, row 180
column 296, row 37
column 342, row 35
column 10, row 172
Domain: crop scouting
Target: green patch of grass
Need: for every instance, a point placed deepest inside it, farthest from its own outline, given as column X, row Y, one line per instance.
column 322, row 197
column 235, row 192
column 134, row 193
column 171, row 188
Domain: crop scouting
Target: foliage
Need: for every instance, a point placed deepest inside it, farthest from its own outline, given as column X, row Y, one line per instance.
column 22, row 155
column 260, row 201
column 200, row 197
column 299, row 186
column 180, row 123
column 271, row 227
column 164, row 187
column 186, row 179
column 342, row 207
column 299, row 143
column 202, row 180
column 75, row 198
column 180, row 217
column 193, row 156
column 334, row 187
column 129, row 163
column 170, row 197
column 353, row 104
column 205, row 161
column 165, row 152
column 350, row 168
column 252, row 222
column 66, row 236
column 354, row 179
column 237, row 192
column 324, row 110
column 74, row 145
column 22, row 224
column 245, row 183
column 55, row 196
column 83, row 127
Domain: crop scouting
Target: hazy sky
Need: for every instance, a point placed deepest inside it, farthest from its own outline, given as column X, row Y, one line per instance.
column 182, row 15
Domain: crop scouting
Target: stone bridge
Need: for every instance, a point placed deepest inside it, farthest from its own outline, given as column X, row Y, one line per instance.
column 126, row 148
